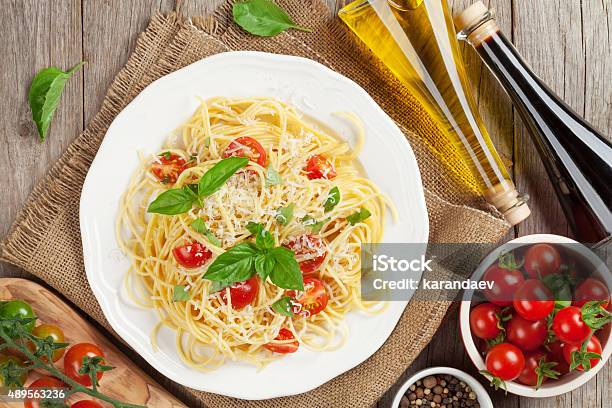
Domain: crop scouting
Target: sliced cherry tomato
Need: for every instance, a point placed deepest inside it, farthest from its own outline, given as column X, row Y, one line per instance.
column 484, row 321
column 312, row 300
column 506, row 279
column 247, row 147
column 48, row 383
column 14, row 362
column 287, row 346
column 310, row 252
column 505, row 361
column 555, row 354
column 18, row 309
column 191, row 255
column 73, row 361
column 536, row 366
column 242, row 293
column 168, row 166
column 48, row 330
column 591, row 290
column 542, row 260
column 533, row 300
column 569, row 326
column 593, row 346
column 86, row 404
column 526, row 334
column 319, row 167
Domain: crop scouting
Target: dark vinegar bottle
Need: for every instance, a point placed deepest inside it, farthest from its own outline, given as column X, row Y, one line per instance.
column 577, row 158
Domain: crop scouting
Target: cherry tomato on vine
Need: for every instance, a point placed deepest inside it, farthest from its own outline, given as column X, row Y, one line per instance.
column 591, row 290
column 506, row 279
column 537, row 369
column 533, row 300
column 247, row 147
column 569, row 326
column 283, row 348
column 16, row 363
column 46, row 383
column 242, row 293
column 309, row 250
column 555, row 354
column 48, row 330
column 312, row 300
column 86, row 404
column 73, row 361
column 593, row 346
column 505, row 361
column 542, row 260
column 168, row 166
column 484, row 321
column 319, row 167
column 526, row 334
column 192, row 255
column 18, row 309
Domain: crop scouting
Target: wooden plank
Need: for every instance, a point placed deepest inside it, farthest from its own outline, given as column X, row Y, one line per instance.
column 36, row 34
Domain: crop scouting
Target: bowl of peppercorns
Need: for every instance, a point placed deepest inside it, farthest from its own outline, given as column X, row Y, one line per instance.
column 442, row 387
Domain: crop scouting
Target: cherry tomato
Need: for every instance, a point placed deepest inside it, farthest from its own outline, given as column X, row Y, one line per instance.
column 48, row 383
column 505, row 361
column 533, row 300
column 555, row 354
column 73, row 361
column 48, row 330
column 593, row 346
column 249, row 148
column 532, row 361
column 526, row 334
column 13, row 361
column 18, row 308
column 283, row 348
column 484, row 321
column 168, row 166
column 86, row 404
column 569, row 326
column 310, row 252
column 319, row 167
column 591, row 290
column 242, row 293
column 312, row 300
column 542, row 260
column 505, row 284
column 191, row 255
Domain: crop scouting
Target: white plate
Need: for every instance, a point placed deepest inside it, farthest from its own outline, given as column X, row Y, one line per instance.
column 143, row 126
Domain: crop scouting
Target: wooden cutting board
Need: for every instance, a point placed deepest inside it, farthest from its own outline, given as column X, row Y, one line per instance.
column 126, row 382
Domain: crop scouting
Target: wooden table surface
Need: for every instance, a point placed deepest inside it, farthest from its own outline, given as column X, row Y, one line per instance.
column 567, row 42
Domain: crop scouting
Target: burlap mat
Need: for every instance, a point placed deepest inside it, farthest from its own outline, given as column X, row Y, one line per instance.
column 45, row 239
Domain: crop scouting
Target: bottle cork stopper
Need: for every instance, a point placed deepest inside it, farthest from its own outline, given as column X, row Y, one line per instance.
column 470, row 15
column 507, row 200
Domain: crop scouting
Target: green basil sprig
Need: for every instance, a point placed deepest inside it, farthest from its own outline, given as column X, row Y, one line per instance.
column 180, row 200
column 180, row 294
column 332, row 200
column 263, row 18
column 45, row 93
column 359, row 216
column 198, row 225
column 314, row 225
column 283, row 306
column 284, row 214
column 244, row 260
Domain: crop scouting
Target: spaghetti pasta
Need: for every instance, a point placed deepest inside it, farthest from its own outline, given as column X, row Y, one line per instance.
column 288, row 189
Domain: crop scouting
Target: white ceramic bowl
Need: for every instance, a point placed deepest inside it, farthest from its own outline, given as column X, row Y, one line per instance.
column 551, row 388
column 481, row 394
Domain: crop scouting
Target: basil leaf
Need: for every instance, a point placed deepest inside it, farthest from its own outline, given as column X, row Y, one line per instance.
column 264, row 263
column 180, row 294
column 234, row 265
column 218, row 174
column 286, row 271
column 262, row 18
column 167, row 155
column 283, row 306
column 333, row 198
column 44, row 96
column 216, row 286
column 198, row 225
column 263, row 239
column 273, row 178
column 284, row 214
column 358, row 216
column 172, row 202
column 314, row 225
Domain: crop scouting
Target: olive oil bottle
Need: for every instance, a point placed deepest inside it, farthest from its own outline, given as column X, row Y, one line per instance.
column 416, row 40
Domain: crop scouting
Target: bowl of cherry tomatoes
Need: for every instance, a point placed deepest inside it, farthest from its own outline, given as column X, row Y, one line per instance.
column 541, row 327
